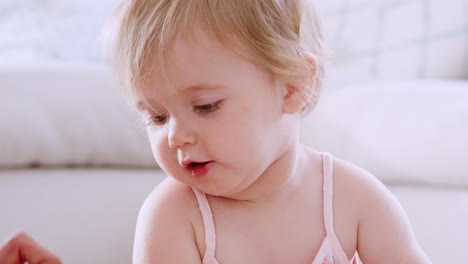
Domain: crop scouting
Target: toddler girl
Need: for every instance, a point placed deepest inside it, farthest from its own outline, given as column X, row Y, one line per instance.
column 222, row 86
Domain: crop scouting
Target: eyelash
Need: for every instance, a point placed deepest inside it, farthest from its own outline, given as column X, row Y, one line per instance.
column 206, row 108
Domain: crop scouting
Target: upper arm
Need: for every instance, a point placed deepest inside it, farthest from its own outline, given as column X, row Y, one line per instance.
column 164, row 232
column 384, row 231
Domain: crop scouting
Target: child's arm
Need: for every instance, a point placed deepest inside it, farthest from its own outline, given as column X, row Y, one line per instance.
column 164, row 233
column 384, row 233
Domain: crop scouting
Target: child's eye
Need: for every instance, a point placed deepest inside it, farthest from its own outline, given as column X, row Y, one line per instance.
column 207, row 108
column 158, row 119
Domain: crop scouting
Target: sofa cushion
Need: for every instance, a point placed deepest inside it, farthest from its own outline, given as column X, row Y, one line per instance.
column 438, row 216
column 401, row 131
column 67, row 115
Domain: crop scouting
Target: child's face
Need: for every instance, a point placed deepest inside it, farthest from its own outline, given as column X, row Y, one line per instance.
column 217, row 108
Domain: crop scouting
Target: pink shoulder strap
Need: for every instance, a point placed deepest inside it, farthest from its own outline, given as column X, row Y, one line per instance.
column 207, row 216
column 328, row 193
column 328, row 207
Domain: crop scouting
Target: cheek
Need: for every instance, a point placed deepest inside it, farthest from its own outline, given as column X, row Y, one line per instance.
column 240, row 141
column 160, row 148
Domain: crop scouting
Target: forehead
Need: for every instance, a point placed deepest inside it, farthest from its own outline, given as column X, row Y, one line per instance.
column 191, row 55
column 142, row 103
column 195, row 61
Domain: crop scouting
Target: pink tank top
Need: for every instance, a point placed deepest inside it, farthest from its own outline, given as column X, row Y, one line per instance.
column 330, row 252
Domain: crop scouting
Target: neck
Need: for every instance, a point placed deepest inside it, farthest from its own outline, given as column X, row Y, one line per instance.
column 279, row 181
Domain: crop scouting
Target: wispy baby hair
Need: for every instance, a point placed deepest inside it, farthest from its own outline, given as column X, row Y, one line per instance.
column 282, row 36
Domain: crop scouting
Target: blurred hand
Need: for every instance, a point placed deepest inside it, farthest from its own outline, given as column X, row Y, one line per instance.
column 21, row 248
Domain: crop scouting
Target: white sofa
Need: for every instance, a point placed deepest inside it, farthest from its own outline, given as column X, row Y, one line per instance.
column 75, row 165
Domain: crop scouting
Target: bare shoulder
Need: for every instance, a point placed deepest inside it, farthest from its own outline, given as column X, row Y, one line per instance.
column 357, row 188
column 165, row 226
column 383, row 231
column 348, row 184
column 170, row 196
column 353, row 183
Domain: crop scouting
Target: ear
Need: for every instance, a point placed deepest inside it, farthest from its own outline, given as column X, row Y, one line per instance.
column 295, row 98
column 293, row 101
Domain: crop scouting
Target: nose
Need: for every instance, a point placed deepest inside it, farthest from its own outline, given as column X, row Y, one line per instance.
column 180, row 134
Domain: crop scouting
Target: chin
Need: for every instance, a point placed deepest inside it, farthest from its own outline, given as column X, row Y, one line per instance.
column 215, row 189
column 238, row 187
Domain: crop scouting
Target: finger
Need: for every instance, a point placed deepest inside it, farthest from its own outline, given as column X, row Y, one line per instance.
column 34, row 253
column 9, row 250
column 9, row 254
column 25, row 249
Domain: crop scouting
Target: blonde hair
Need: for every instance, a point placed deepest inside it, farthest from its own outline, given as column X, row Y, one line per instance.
column 282, row 36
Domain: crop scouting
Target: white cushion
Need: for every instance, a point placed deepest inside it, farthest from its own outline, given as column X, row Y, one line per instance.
column 438, row 217
column 401, row 131
column 67, row 115
column 85, row 216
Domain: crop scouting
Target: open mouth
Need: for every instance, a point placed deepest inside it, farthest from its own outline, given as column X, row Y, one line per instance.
column 200, row 169
column 196, row 164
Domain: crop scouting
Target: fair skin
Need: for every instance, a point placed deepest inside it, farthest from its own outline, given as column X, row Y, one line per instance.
column 262, row 179
column 22, row 248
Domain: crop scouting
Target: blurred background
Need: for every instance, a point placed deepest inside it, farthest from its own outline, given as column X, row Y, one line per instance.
column 75, row 165
column 36, row 31
column 380, row 38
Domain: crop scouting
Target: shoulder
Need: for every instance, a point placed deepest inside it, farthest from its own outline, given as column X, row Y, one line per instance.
column 361, row 190
column 165, row 225
column 170, row 196
column 356, row 184
column 348, row 184
column 170, row 201
column 383, row 230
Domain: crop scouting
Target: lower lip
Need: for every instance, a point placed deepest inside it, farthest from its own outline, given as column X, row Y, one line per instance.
column 201, row 170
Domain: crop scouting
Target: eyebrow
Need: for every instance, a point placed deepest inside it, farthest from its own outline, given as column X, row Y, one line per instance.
column 201, row 87
column 142, row 104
